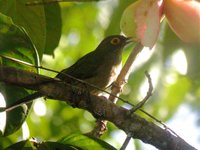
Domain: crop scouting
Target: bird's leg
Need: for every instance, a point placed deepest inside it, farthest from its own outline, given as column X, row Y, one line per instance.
column 115, row 85
column 99, row 129
column 101, row 125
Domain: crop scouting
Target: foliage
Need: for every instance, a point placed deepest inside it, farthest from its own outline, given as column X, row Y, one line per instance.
column 28, row 33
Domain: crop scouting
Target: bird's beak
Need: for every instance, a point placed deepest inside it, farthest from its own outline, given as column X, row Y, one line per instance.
column 128, row 40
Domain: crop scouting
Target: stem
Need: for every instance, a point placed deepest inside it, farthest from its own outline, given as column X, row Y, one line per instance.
column 125, row 72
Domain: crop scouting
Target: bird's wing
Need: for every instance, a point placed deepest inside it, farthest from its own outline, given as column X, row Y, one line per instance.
column 84, row 68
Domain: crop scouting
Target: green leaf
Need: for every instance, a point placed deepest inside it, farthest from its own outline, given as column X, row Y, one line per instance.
column 31, row 18
column 114, row 27
column 53, row 27
column 86, row 142
column 15, row 43
column 56, row 145
column 42, row 24
column 32, row 145
column 22, row 145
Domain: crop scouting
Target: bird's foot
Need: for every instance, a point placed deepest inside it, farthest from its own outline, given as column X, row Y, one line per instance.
column 99, row 129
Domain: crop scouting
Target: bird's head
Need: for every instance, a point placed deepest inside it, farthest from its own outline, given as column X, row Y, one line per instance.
column 113, row 43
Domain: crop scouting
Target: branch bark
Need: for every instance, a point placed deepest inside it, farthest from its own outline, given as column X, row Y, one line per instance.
column 104, row 109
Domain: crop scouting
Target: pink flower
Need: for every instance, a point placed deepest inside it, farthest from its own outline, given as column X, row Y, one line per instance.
column 141, row 20
column 184, row 18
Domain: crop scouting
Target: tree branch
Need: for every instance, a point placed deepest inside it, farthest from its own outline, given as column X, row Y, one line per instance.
column 104, row 109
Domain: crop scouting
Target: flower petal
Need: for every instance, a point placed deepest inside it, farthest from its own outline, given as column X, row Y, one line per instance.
column 184, row 18
column 141, row 20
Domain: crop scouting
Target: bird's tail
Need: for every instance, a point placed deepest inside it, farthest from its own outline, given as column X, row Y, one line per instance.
column 21, row 101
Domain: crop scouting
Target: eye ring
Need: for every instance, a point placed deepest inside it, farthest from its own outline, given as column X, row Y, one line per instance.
column 115, row 41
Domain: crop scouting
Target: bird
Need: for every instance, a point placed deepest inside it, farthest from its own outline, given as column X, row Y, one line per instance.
column 99, row 67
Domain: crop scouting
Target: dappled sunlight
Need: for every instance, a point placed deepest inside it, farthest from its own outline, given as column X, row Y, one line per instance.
column 25, row 131
column 73, row 38
column 143, row 57
column 34, row 118
column 171, row 78
column 39, row 108
column 120, row 137
column 183, row 123
column 63, row 42
column 105, row 12
column 179, row 62
column 127, row 106
column 163, row 112
column 2, row 114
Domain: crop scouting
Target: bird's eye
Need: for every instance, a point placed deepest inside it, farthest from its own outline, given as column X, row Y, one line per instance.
column 115, row 41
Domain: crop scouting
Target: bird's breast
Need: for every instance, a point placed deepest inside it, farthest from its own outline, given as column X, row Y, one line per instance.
column 106, row 76
column 115, row 70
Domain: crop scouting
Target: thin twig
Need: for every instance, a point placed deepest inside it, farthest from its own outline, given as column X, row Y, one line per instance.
column 127, row 140
column 138, row 106
column 148, row 95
